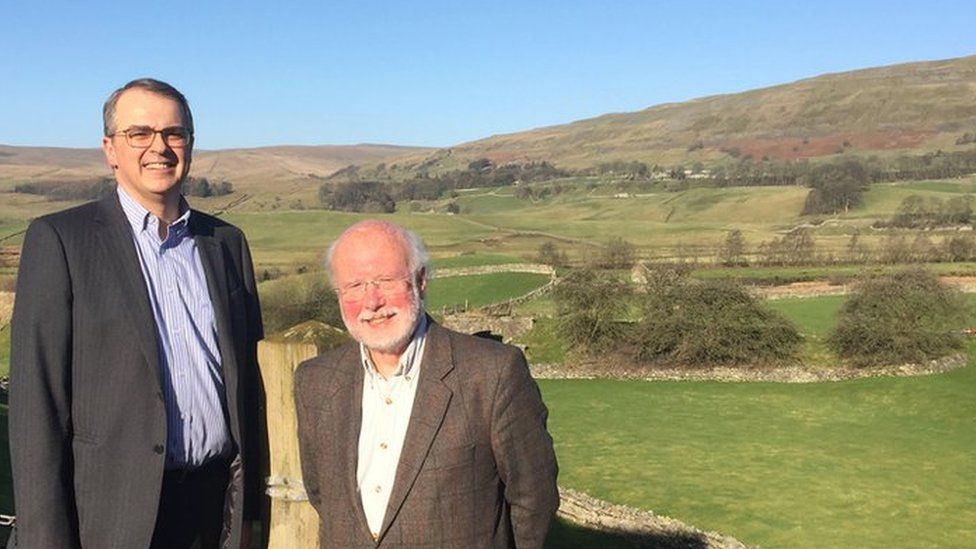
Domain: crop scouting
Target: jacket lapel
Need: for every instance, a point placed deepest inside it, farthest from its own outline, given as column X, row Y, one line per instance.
column 347, row 398
column 429, row 408
column 215, row 270
column 117, row 239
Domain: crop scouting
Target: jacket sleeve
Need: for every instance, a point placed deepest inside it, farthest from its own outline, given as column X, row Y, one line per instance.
column 40, row 394
column 524, row 453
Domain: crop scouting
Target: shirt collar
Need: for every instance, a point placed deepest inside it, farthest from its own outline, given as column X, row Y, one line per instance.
column 410, row 358
column 139, row 217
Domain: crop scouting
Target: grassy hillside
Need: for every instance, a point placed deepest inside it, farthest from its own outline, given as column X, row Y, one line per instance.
column 912, row 106
column 289, row 172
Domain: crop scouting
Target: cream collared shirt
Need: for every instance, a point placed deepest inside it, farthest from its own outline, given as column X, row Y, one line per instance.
column 386, row 407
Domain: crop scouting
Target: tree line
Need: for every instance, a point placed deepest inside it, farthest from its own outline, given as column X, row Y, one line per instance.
column 797, row 247
column 836, row 185
column 96, row 188
column 346, row 191
column 921, row 212
column 85, row 189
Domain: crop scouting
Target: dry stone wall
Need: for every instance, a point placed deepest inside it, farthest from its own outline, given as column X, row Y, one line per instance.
column 537, row 268
column 643, row 528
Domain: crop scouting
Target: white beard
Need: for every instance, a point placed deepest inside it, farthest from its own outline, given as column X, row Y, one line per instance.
column 400, row 334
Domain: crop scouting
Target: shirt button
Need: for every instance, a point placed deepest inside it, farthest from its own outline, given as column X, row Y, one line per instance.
column 378, row 489
column 159, row 448
column 388, row 400
column 383, row 446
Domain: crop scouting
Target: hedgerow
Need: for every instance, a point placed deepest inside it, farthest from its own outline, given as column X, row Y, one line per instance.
column 907, row 316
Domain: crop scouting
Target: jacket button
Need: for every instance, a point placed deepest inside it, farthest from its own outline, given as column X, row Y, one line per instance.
column 159, row 449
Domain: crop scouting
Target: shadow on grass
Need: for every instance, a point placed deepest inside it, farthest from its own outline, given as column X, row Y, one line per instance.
column 565, row 534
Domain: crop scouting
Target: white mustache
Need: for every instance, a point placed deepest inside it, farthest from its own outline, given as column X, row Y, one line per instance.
column 366, row 316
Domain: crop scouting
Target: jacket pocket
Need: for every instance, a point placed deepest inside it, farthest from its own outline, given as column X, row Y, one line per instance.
column 447, row 458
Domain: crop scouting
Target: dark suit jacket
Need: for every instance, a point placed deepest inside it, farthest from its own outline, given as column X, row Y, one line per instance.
column 477, row 467
column 87, row 419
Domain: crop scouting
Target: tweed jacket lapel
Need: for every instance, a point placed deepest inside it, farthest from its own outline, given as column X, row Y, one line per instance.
column 116, row 236
column 349, row 400
column 338, row 438
column 430, row 406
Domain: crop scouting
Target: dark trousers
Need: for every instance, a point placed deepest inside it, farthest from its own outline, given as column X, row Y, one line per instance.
column 191, row 508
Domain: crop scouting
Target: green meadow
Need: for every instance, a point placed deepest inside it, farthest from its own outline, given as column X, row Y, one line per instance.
column 479, row 290
column 5, row 351
column 495, row 223
column 869, row 463
column 692, row 222
column 815, row 317
column 877, row 462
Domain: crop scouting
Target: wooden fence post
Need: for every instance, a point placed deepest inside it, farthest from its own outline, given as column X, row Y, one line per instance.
column 294, row 523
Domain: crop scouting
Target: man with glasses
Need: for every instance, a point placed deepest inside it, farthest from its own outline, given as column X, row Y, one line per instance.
column 135, row 401
column 414, row 435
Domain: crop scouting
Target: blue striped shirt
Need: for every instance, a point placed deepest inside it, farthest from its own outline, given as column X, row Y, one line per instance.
column 189, row 358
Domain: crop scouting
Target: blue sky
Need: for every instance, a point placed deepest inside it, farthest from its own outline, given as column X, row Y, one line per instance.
column 431, row 73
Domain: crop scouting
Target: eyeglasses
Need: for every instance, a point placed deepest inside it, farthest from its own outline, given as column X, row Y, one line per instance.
column 386, row 286
column 141, row 137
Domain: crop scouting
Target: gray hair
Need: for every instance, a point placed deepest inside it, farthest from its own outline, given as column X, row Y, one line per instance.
column 150, row 85
column 418, row 260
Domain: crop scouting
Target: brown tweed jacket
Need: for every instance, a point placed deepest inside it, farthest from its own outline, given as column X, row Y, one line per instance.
column 477, row 467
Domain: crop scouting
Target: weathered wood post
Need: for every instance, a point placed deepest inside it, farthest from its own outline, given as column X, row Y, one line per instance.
column 294, row 523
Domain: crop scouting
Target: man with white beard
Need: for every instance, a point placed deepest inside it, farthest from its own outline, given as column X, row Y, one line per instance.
column 414, row 435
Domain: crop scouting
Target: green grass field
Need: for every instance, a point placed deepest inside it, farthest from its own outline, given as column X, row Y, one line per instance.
column 814, row 317
column 473, row 260
column 478, row 290
column 495, row 223
column 868, row 463
column 883, row 462
column 883, row 199
column 287, row 238
column 5, row 351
